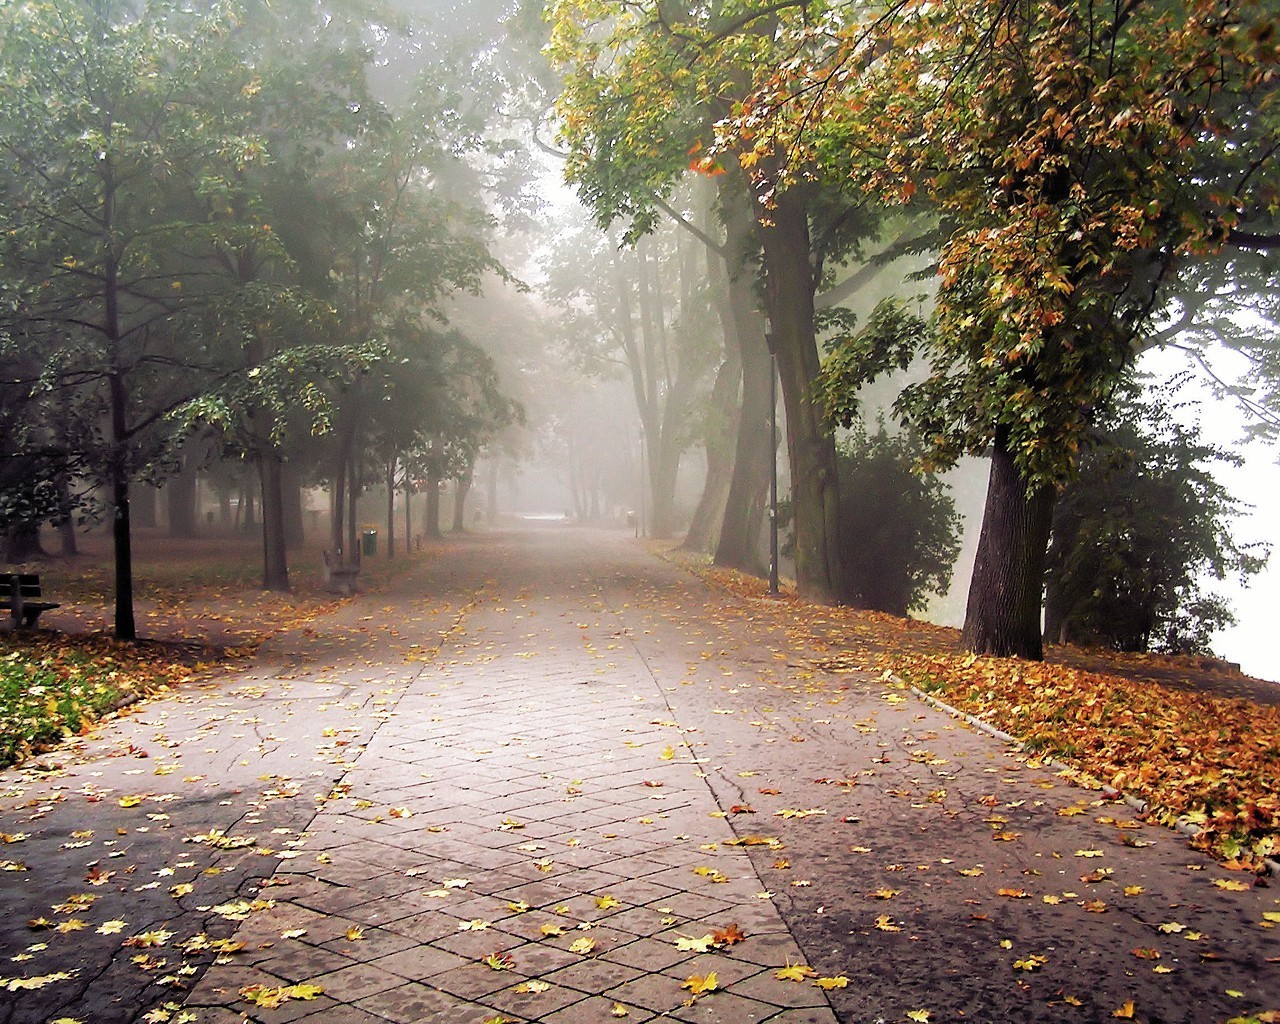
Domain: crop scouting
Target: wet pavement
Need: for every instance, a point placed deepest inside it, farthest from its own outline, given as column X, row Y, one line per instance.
column 551, row 777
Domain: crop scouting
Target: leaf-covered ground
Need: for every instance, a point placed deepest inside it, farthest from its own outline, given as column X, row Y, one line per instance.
column 547, row 778
column 1161, row 729
column 198, row 604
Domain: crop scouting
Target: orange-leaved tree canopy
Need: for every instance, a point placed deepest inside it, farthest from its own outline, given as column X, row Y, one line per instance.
column 1081, row 153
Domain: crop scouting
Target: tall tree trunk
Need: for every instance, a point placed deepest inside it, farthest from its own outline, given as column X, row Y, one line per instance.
column 248, row 503
column 460, row 493
column 491, row 488
column 1002, row 617
column 180, row 501
column 784, row 234
column 275, row 562
column 21, row 543
column 121, row 534
column 739, row 546
column 355, row 489
column 723, row 414
column 391, row 506
column 718, row 438
column 408, row 513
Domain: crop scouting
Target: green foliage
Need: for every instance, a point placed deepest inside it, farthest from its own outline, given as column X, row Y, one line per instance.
column 1076, row 153
column 855, row 358
column 901, row 531
column 1139, row 529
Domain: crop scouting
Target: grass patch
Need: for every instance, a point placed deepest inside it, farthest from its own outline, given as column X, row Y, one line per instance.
column 53, row 687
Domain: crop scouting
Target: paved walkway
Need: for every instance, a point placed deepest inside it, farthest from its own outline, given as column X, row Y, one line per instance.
column 552, row 778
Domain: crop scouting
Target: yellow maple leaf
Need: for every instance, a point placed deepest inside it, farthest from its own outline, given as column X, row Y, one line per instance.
column 668, row 753
column 698, row 984
column 795, row 972
column 919, row 1016
column 583, row 945
column 839, row 981
column 607, row 902
column 1124, row 1012
column 551, row 929
column 1231, row 885
column 619, row 1011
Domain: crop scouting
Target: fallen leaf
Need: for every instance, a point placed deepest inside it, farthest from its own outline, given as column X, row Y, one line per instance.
column 839, row 981
column 1125, row 1011
column 795, row 972
column 498, row 961
column 698, row 984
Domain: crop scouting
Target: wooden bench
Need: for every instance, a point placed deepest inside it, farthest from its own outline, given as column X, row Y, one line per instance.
column 21, row 593
column 338, row 578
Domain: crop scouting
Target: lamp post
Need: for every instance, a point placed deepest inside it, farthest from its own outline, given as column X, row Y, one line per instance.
column 773, row 462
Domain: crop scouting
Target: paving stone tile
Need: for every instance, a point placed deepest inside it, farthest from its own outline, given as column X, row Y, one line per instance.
column 420, row 962
column 350, row 983
column 475, row 981
column 533, row 1005
column 408, row 1002
column 597, row 1010
column 594, row 975
column 724, row 1008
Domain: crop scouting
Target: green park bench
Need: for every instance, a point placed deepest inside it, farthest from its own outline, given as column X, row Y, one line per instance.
column 20, row 593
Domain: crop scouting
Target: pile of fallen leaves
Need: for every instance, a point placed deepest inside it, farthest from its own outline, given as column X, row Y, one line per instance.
column 1199, row 760
column 1196, row 759
column 53, row 686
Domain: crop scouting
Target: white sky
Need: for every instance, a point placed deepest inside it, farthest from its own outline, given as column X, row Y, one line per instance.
column 1252, row 641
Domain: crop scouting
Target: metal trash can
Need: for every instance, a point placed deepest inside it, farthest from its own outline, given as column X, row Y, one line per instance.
column 369, row 542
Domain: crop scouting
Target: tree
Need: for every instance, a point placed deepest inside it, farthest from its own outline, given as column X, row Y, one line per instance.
column 643, row 313
column 108, row 125
column 1136, row 533
column 644, row 86
column 1077, row 153
column 902, row 531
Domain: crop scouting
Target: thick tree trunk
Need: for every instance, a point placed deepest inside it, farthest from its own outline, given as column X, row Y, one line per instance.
column 739, row 546
column 391, row 506
column 460, row 493
column 1003, row 614
column 718, row 440
column 22, row 543
column 275, row 562
column 353, row 511
column 408, row 513
column 125, row 626
column 784, row 234
column 180, row 502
